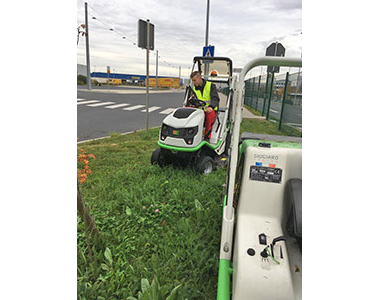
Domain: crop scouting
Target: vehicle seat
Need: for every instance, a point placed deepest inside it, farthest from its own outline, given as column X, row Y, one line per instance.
column 293, row 197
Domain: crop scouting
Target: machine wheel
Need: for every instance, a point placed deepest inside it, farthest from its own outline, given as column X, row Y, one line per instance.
column 157, row 157
column 205, row 165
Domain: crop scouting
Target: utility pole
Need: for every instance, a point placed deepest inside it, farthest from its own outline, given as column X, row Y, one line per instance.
column 157, row 57
column 144, row 42
column 206, row 70
column 207, row 24
column 179, row 76
column 148, row 72
column 87, row 48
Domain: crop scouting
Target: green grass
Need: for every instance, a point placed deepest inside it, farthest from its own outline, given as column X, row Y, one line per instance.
column 179, row 244
column 268, row 127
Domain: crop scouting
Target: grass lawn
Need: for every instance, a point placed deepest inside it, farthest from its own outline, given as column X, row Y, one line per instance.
column 251, row 125
column 152, row 221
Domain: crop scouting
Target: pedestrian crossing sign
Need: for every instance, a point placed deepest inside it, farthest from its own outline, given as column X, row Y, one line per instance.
column 208, row 51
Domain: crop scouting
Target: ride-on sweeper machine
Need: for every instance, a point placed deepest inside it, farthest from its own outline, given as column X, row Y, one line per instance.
column 261, row 240
column 182, row 138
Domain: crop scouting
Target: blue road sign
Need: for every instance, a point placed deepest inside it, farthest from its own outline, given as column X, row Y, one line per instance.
column 208, row 51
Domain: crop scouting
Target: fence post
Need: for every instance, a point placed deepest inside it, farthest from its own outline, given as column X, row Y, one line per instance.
column 250, row 99
column 270, row 97
column 266, row 90
column 246, row 92
column 253, row 87
column 283, row 100
column 258, row 92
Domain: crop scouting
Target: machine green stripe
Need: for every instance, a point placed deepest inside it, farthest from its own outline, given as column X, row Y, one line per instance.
column 225, row 271
column 182, row 149
column 274, row 144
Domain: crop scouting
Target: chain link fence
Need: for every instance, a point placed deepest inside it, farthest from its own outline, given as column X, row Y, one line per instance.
column 277, row 97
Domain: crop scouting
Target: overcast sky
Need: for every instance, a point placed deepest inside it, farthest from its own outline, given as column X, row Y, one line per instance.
column 240, row 30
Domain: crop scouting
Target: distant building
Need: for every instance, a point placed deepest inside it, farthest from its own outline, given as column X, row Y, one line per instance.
column 81, row 70
column 126, row 78
column 280, row 83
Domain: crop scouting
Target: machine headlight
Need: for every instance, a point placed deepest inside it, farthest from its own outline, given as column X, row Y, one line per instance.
column 191, row 132
column 164, row 132
column 165, row 129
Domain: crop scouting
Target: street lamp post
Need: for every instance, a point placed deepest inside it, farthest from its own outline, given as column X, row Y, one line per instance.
column 87, row 48
column 157, row 57
column 207, row 24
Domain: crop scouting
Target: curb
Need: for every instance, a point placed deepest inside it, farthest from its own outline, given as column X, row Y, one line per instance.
column 108, row 136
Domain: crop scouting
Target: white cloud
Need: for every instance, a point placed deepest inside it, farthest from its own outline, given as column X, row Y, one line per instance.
column 239, row 29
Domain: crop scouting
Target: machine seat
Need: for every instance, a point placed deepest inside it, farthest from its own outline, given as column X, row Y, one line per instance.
column 293, row 197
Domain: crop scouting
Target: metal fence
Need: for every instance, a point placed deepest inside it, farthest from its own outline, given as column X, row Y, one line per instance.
column 277, row 97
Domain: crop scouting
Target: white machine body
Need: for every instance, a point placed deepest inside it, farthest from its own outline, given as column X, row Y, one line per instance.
column 196, row 118
column 261, row 209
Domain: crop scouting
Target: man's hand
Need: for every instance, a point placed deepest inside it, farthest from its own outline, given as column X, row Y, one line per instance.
column 209, row 109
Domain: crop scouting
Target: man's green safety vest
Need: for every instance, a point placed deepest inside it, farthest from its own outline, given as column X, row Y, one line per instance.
column 205, row 96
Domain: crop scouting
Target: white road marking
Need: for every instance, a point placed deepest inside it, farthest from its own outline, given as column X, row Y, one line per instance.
column 133, row 107
column 117, row 105
column 274, row 111
column 167, row 111
column 150, row 109
column 87, row 102
column 100, row 104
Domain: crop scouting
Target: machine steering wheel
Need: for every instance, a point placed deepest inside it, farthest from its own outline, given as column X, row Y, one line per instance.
column 196, row 102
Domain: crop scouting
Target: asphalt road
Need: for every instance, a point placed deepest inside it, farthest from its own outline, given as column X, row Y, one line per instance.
column 99, row 113
column 124, row 113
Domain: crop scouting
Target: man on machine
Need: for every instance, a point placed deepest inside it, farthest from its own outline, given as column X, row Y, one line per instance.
column 207, row 92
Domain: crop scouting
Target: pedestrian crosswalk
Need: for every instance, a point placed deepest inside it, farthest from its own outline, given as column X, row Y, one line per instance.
column 151, row 109
column 133, row 107
column 167, row 111
column 123, row 106
column 117, row 105
column 87, row 102
column 100, row 104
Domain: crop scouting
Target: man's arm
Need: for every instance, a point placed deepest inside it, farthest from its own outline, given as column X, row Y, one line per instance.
column 191, row 93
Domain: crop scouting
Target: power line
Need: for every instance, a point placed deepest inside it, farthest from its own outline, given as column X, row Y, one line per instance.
column 122, row 34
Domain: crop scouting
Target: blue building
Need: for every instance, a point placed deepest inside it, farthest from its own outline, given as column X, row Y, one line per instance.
column 129, row 78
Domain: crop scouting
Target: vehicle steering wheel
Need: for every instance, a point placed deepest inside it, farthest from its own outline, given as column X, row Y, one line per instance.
column 196, row 102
